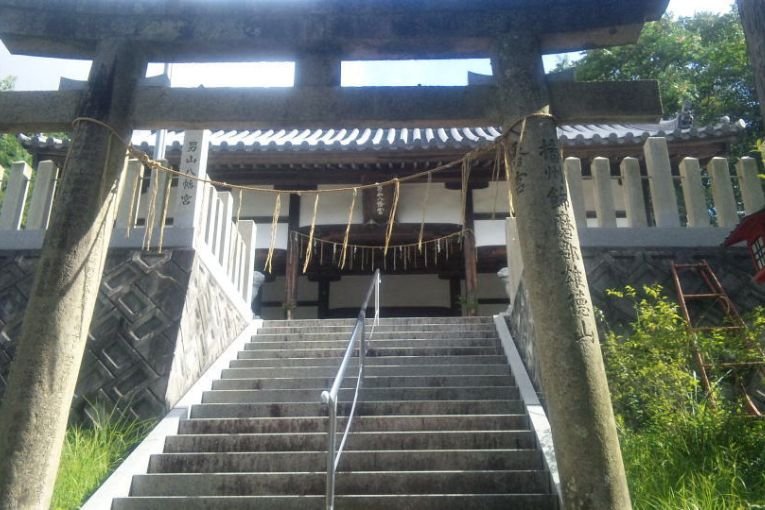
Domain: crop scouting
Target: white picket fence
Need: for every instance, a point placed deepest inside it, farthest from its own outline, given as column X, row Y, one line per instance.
column 207, row 226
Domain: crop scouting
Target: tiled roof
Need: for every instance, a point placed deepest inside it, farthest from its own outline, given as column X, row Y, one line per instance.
column 414, row 139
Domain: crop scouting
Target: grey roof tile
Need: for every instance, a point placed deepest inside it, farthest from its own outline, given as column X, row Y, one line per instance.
column 394, row 139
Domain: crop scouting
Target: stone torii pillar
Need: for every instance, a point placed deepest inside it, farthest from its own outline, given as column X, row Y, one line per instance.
column 572, row 371
column 58, row 315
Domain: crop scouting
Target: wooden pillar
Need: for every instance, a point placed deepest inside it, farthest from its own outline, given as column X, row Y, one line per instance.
column 572, row 373
column 455, row 289
column 58, row 314
column 324, row 284
column 293, row 258
column 470, row 256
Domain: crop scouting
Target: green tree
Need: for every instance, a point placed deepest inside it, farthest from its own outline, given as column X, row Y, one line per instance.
column 701, row 59
column 10, row 148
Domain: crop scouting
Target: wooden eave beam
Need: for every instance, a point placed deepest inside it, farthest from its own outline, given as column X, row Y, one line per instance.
column 185, row 31
column 306, row 107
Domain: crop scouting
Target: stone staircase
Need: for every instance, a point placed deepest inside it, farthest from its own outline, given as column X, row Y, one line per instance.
column 440, row 426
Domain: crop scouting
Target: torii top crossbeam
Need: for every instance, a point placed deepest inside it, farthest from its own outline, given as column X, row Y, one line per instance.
column 200, row 30
column 318, row 34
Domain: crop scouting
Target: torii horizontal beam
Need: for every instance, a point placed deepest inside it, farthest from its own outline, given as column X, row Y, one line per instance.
column 192, row 30
column 305, row 107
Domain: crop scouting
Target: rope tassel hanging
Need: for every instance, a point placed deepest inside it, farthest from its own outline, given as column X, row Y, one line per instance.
column 348, row 229
column 165, row 207
column 152, row 212
column 133, row 196
column 392, row 217
column 274, row 225
column 424, row 210
column 309, row 247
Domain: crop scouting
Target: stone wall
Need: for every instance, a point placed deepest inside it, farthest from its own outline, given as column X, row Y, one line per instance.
column 615, row 268
column 159, row 321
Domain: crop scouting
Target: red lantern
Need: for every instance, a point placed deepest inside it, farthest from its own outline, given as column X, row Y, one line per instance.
column 752, row 230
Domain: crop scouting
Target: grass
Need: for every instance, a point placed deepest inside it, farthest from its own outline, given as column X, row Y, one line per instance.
column 680, row 452
column 91, row 453
column 713, row 460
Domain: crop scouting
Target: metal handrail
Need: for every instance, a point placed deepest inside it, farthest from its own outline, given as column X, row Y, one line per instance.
column 330, row 397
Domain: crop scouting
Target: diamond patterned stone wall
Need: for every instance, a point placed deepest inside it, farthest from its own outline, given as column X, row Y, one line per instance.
column 615, row 268
column 160, row 320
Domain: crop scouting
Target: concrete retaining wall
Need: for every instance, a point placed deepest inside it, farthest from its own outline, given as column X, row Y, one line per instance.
column 160, row 321
column 615, row 268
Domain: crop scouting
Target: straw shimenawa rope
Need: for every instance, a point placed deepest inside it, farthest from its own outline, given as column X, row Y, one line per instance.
column 464, row 162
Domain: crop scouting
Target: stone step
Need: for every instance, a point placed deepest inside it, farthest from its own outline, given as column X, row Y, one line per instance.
column 368, row 395
column 360, row 424
column 318, row 334
column 384, row 321
column 351, row 460
column 369, row 382
column 414, row 407
column 372, row 361
column 377, row 343
column 361, row 502
column 376, row 440
column 382, row 328
column 377, row 482
column 373, row 352
column 330, row 371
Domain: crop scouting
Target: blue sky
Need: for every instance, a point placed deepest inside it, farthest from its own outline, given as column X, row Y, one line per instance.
column 43, row 74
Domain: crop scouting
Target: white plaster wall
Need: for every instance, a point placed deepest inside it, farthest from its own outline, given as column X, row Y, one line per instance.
column 307, row 290
column 620, row 223
column 260, row 204
column 263, row 236
column 490, row 286
column 490, row 232
column 333, row 207
column 396, row 290
column 492, row 199
column 444, row 206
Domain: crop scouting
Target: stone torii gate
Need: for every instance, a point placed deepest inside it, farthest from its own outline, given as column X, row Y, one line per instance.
column 122, row 36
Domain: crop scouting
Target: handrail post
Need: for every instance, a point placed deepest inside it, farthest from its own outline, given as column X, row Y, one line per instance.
column 331, row 447
column 377, row 298
column 330, row 397
column 362, row 348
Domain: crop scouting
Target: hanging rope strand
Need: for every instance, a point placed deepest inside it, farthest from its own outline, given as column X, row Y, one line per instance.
column 151, row 213
column 133, row 196
column 274, row 226
column 392, row 216
column 348, row 229
column 163, row 219
column 309, row 248
column 424, row 209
